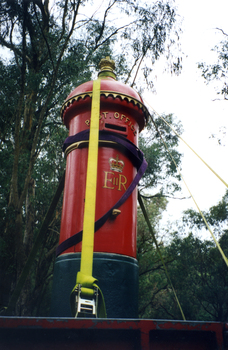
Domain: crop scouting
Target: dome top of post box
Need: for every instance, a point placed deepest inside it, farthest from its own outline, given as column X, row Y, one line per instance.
column 109, row 87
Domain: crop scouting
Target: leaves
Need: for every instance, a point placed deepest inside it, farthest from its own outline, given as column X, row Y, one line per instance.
column 201, row 278
column 161, row 172
column 216, row 216
column 219, row 70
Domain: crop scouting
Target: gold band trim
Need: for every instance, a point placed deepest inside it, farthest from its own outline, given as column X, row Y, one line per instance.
column 114, row 94
column 82, row 144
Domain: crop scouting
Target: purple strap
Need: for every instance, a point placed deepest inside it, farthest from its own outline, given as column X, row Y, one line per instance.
column 128, row 147
column 137, row 159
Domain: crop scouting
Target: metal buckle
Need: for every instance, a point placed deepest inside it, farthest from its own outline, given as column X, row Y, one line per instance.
column 86, row 307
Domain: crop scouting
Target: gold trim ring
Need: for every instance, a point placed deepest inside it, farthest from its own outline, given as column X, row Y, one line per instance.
column 129, row 98
column 82, row 144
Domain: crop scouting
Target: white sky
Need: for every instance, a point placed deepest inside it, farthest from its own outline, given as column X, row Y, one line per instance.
column 190, row 100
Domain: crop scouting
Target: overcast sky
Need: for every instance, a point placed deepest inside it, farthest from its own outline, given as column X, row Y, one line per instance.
column 191, row 101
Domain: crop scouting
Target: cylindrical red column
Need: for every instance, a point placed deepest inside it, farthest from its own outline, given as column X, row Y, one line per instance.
column 122, row 114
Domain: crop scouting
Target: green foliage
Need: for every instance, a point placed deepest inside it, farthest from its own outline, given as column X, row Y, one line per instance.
column 152, row 279
column 161, row 172
column 197, row 271
column 200, row 278
column 155, row 207
column 216, row 216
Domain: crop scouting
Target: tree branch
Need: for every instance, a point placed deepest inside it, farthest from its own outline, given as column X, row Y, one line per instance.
column 103, row 23
column 222, row 31
column 43, row 34
column 63, row 21
column 159, row 267
column 164, row 308
column 137, row 70
column 112, row 34
column 133, row 66
column 143, row 308
column 163, row 196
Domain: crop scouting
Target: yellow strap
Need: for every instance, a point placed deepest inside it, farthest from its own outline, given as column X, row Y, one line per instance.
column 91, row 183
column 159, row 252
column 84, row 276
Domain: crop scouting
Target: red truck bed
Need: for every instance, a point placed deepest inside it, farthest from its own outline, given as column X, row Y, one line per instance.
column 69, row 333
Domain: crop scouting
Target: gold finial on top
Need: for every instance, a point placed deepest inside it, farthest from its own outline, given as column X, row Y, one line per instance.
column 107, row 67
column 107, row 64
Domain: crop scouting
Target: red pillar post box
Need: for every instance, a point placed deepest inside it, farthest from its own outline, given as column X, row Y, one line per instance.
column 122, row 116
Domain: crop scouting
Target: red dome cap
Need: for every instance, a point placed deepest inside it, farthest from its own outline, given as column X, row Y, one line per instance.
column 109, row 87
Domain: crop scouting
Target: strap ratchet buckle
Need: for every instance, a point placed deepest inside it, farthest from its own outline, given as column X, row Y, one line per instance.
column 86, row 306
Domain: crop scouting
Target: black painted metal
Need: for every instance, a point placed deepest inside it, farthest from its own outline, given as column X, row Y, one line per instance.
column 117, row 277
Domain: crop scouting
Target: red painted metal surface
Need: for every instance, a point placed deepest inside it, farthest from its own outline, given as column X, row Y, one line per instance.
column 83, row 334
column 121, row 112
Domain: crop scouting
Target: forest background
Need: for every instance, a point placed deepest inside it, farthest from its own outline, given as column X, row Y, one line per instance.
column 49, row 48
